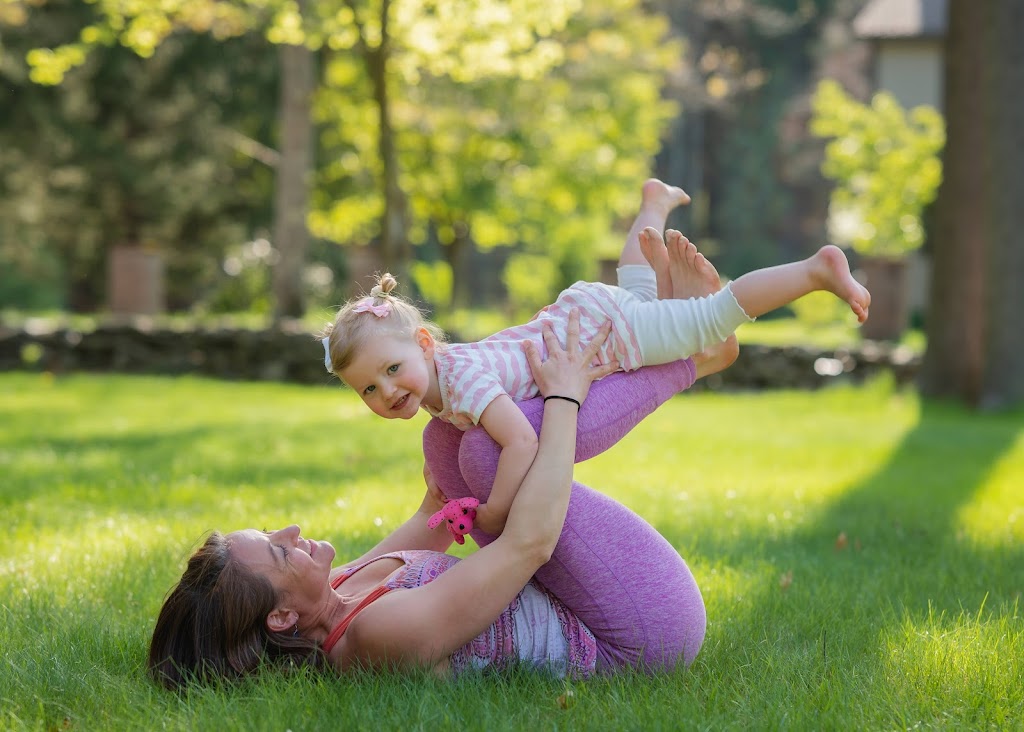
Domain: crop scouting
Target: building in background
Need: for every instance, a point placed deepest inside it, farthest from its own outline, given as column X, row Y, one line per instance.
column 907, row 40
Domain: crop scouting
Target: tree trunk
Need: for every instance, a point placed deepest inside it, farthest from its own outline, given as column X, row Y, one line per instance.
column 393, row 244
column 975, row 342
column 458, row 252
column 294, row 169
column 954, row 360
column 1003, row 384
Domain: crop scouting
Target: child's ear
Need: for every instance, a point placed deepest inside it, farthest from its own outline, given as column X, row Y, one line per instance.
column 425, row 342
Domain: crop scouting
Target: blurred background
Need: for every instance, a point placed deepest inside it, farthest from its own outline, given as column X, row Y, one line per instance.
column 259, row 160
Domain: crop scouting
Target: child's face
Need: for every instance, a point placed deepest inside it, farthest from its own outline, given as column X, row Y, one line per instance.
column 392, row 373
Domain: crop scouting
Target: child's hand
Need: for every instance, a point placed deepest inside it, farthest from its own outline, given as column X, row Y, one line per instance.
column 489, row 521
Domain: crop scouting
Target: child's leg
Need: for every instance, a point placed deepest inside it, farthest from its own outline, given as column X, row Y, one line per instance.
column 671, row 329
column 667, row 330
column 764, row 290
column 610, row 567
column 657, row 201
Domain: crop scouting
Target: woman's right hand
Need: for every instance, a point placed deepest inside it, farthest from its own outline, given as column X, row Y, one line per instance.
column 568, row 371
column 435, row 498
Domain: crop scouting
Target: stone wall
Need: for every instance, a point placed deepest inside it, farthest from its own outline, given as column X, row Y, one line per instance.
column 292, row 354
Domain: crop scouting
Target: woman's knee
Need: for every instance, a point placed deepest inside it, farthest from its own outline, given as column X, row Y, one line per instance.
column 441, row 451
column 681, row 634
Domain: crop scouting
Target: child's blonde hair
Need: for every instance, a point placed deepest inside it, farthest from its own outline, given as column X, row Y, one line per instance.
column 369, row 315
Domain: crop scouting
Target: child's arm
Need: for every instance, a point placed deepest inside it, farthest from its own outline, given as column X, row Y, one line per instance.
column 509, row 427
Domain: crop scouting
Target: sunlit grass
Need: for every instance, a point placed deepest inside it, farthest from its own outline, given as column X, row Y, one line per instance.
column 859, row 552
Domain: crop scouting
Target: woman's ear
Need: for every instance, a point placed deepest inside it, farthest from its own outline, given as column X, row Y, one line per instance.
column 426, row 342
column 280, row 620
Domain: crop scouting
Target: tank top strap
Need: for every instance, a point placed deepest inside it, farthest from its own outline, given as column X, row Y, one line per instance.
column 337, row 581
column 339, row 630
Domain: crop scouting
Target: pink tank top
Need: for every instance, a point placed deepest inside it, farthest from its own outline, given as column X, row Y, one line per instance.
column 535, row 629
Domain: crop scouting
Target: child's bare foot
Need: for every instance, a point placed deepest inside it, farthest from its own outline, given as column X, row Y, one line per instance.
column 661, row 196
column 654, row 251
column 691, row 273
column 717, row 357
column 830, row 271
column 657, row 202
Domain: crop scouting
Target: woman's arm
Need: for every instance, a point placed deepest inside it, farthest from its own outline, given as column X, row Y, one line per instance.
column 413, row 534
column 427, row 624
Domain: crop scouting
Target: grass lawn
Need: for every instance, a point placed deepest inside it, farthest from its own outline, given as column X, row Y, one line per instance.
column 861, row 555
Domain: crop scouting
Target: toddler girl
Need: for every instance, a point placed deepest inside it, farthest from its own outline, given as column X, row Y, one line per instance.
column 383, row 348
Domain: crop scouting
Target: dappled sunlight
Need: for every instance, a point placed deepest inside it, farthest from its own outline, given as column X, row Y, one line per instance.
column 996, row 515
column 718, row 475
column 953, row 660
column 105, row 560
column 837, row 537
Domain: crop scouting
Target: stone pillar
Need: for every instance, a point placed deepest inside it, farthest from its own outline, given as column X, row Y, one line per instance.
column 890, row 304
column 135, row 281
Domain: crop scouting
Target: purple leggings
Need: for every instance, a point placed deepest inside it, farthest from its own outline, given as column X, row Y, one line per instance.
column 610, row 567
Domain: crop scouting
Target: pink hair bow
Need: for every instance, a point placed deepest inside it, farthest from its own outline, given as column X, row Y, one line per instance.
column 366, row 306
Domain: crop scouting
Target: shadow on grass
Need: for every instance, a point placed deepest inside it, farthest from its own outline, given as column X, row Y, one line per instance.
column 177, row 468
column 889, row 548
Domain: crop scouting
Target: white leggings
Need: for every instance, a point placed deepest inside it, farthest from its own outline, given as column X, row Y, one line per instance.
column 668, row 330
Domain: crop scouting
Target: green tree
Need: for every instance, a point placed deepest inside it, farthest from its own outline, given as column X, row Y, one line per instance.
column 885, row 165
column 574, row 89
column 461, row 39
column 740, row 145
column 548, row 153
column 126, row 152
column 403, row 45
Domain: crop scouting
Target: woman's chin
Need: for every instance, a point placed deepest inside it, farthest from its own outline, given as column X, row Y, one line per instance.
column 328, row 549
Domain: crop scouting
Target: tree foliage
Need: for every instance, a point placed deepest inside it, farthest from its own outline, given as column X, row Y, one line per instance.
column 885, row 164
column 474, row 122
column 547, row 160
column 740, row 146
column 128, row 152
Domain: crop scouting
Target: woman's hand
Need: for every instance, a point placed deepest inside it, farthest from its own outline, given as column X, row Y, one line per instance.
column 435, row 498
column 568, row 371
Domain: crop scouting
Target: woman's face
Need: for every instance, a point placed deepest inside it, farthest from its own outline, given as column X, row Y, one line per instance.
column 299, row 569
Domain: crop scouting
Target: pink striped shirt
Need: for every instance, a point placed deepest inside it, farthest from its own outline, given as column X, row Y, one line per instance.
column 472, row 375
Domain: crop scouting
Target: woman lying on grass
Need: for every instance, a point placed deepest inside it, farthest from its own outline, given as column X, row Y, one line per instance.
column 576, row 582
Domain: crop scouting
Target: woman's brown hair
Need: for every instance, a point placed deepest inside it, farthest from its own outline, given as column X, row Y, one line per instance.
column 213, row 624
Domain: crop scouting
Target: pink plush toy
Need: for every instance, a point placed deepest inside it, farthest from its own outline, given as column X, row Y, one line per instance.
column 459, row 513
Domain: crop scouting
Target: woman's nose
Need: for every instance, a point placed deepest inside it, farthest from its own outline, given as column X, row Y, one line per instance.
column 288, row 532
